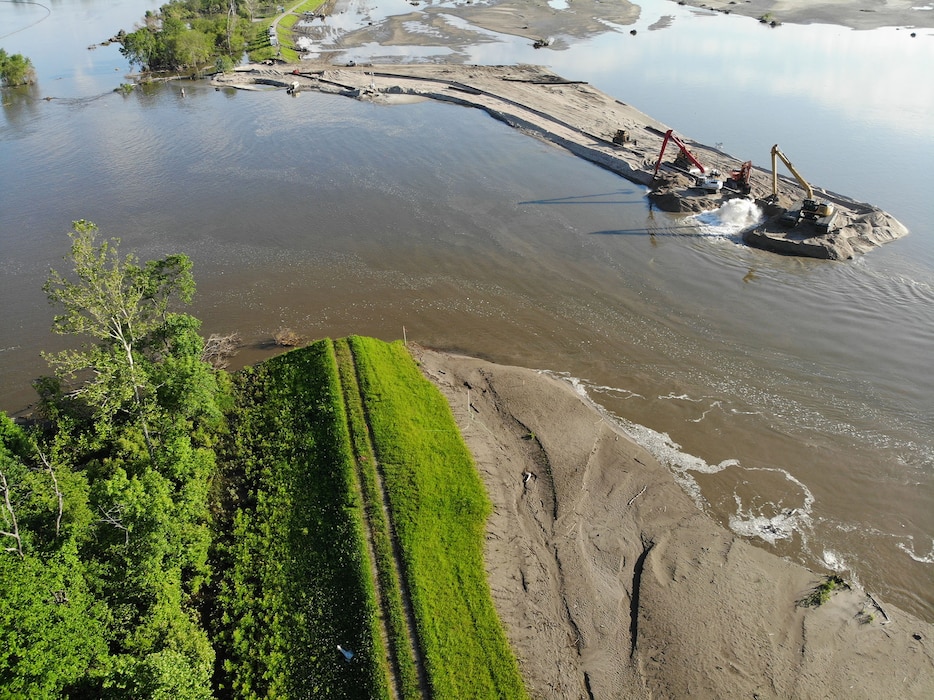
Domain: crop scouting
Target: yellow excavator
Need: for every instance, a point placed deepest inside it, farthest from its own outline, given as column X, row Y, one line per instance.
column 821, row 214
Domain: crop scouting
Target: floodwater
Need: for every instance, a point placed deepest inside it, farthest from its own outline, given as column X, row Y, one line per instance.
column 792, row 398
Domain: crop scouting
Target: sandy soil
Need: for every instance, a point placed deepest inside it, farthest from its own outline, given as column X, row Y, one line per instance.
column 612, row 584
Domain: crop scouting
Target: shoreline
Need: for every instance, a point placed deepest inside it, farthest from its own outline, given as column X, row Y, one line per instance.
column 611, row 583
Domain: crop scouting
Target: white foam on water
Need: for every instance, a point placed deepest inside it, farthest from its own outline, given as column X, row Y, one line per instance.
column 910, row 551
column 679, row 397
column 774, row 526
column 732, row 218
column 834, row 561
column 659, row 445
column 769, row 522
column 714, row 405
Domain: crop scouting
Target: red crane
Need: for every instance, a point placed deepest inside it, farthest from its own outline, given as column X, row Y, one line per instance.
column 670, row 136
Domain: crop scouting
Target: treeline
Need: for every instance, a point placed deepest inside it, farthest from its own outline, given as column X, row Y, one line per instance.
column 190, row 34
column 104, row 517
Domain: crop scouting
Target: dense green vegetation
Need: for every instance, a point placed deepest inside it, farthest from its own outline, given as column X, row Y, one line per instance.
column 15, row 69
column 105, row 503
column 172, row 531
column 188, row 35
column 297, row 583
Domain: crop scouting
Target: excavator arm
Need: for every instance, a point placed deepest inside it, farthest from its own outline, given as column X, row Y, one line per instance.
column 670, row 136
column 777, row 153
column 821, row 214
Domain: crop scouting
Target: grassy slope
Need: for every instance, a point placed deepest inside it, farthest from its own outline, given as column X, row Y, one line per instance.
column 292, row 556
column 439, row 508
column 389, row 584
column 286, row 50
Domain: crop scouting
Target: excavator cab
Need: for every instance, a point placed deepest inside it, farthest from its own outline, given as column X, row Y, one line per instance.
column 740, row 177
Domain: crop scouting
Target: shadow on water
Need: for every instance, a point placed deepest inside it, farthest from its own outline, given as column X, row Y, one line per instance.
column 590, row 199
column 668, row 231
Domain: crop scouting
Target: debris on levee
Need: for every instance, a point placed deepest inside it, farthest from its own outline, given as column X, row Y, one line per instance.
column 613, row 135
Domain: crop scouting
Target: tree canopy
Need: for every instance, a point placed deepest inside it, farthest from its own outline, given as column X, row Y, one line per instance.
column 189, row 34
column 16, row 69
column 104, row 515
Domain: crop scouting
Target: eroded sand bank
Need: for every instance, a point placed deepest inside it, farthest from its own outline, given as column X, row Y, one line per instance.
column 612, row 584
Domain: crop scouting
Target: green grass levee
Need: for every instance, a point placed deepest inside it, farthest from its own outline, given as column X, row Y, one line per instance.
column 439, row 508
column 387, row 575
column 295, row 579
column 345, row 493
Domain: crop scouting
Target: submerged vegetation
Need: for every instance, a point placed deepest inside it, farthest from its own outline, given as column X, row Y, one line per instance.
column 171, row 530
column 822, row 592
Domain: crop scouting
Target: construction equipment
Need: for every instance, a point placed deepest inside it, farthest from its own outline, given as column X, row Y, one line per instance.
column 670, row 136
column 710, row 183
column 821, row 214
column 740, row 177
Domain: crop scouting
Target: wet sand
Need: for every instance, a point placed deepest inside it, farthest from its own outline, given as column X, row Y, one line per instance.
column 611, row 583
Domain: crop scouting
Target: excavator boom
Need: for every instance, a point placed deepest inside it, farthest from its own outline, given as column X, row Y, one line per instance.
column 670, row 136
column 822, row 215
column 777, row 153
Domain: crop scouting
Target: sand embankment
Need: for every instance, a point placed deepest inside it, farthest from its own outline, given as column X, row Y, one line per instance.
column 594, row 126
column 612, row 584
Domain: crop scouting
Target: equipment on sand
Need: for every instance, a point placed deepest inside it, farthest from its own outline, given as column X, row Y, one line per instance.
column 709, row 182
column 821, row 214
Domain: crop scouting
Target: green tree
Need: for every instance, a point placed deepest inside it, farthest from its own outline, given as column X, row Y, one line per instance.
column 137, row 408
column 191, row 34
column 143, row 47
column 123, row 306
column 52, row 634
column 191, row 48
column 16, row 69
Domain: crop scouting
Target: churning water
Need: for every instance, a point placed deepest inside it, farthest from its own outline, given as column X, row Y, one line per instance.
column 731, row 219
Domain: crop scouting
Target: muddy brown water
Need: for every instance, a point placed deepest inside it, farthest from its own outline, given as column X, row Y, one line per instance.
column 791, row 397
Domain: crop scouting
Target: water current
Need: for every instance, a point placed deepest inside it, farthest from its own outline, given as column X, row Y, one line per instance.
column 792, row 398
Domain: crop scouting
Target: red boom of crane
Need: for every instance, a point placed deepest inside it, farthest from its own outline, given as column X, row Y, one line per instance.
column 669, row 136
